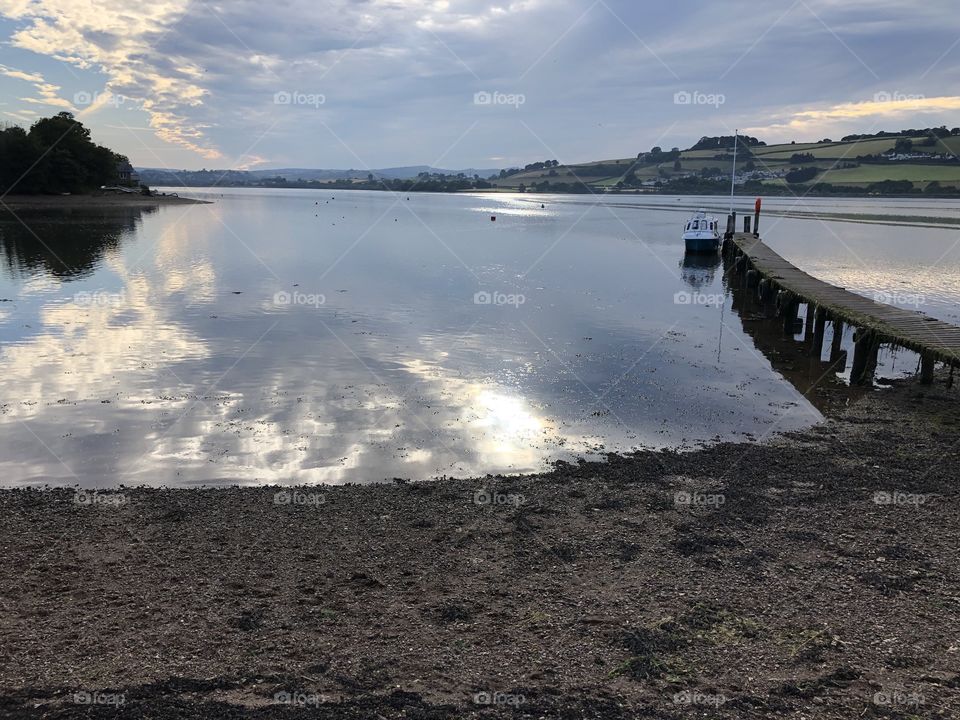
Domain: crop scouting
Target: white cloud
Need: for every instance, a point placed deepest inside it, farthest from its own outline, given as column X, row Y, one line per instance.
column 48, row 92
column 399, row 75
column 118, row 39
column 20, row 75
column 809, row 122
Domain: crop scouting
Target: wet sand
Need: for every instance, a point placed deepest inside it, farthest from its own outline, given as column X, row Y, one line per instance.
column 812, row 576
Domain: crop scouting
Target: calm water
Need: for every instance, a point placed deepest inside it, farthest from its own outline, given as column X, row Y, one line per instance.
column 300, row 336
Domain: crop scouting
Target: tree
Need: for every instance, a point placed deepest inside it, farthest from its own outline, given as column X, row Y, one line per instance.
column 891, row 187
column 677, row 167
column 726, row 142
column 802, row 175
column 18, row 153
column 55, row 156
column 903, row 146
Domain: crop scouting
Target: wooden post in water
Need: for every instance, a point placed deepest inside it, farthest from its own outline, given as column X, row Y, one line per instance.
column 788, row 306
column 808, row 323
column 864, row 357
column 927, row 364
column 740, row 264
column 836, row 343
column 746, row 224
column 767, row 295
column 820, row 326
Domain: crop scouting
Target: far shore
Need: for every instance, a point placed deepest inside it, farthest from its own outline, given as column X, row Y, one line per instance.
column 70, row 202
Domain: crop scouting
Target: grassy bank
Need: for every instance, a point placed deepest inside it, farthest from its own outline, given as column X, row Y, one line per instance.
column 811, row 576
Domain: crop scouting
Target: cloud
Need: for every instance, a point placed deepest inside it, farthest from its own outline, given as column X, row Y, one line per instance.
column 398, row 76
column 806, row 123
column 119, row 40
column 20, row 75
column 174, row 57
column 23, row 116
column 48, row 92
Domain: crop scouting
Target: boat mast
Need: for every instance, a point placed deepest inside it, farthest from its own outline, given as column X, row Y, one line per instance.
column 733, row 174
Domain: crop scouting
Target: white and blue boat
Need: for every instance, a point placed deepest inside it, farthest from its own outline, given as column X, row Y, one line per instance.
column 702, row 233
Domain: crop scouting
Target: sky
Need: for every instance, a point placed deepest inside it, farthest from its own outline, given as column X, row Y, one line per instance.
column 462, row 83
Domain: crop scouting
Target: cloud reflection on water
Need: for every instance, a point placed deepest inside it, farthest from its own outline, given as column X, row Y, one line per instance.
column 178, row 380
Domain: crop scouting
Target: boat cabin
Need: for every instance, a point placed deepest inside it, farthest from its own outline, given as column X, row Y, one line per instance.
column 701, row 224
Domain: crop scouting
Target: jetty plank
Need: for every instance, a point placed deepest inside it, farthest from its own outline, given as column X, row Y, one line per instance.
column 907, row 328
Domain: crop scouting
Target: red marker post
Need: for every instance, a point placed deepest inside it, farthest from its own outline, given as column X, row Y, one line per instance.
column 756, row 217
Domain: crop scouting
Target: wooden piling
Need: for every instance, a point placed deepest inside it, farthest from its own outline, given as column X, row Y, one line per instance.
column 808, row 324
column 820, row 326
column 740, row 264
column 788, row 306
column 865, row 351
column 927, row 365
column 763, row 290
column 836, row 342
column 882, row 322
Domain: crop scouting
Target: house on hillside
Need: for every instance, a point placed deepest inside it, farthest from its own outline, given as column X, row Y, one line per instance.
column 126, row 175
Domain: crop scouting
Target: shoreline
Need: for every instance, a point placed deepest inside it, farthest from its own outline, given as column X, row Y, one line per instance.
column 95, row 202
column 533, row 191
column 813, row 575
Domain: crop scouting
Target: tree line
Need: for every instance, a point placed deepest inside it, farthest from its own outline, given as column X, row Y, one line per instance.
column 56, row 155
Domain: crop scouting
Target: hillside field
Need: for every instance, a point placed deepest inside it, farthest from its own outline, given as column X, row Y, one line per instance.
column 837, row 162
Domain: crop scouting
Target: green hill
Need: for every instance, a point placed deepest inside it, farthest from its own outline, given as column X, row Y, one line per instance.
column 911, row 161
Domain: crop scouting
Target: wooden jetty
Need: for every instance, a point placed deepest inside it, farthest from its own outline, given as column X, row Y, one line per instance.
column 786, row 287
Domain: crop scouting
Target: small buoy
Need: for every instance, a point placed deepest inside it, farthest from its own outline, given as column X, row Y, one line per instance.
column 542, row 205
column 493, row 218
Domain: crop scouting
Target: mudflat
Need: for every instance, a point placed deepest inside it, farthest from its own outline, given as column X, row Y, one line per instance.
column 814, row 575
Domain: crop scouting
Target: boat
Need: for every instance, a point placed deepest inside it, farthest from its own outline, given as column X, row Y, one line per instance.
column 702, row 232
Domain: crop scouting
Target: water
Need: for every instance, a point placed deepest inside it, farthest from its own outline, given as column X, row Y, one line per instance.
column 302, row 336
